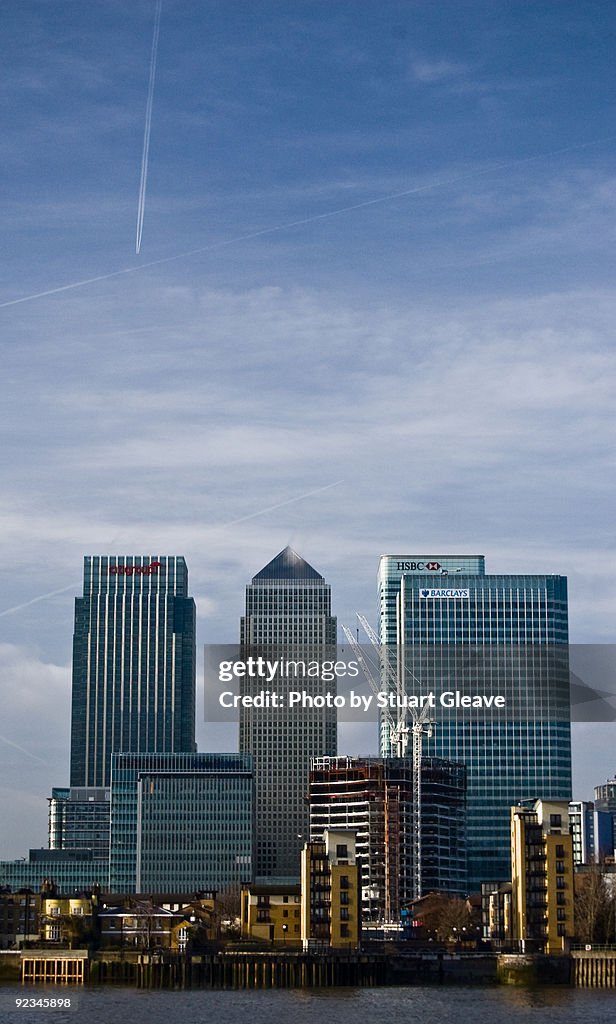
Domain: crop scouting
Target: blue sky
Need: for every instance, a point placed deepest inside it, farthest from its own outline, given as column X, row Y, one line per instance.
column 445, row 358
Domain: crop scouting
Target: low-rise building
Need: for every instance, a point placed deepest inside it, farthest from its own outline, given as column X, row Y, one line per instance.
column 271, row 912
column 66, row 919
column 19, row 918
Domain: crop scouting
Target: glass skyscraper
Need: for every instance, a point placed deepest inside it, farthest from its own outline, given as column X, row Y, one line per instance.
column 454, row 628
column 288, row 616
column 180, row 822
column 133, row 663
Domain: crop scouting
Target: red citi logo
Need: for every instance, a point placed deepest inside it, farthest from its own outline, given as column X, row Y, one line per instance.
column 134, row 570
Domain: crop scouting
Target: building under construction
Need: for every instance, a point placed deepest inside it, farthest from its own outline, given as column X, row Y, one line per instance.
column 373, row 797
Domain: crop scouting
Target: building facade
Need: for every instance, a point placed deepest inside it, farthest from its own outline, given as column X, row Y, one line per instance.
column 373, row 797
column 180, row 822
column 271, row 912
column 542, row 887
column 331, row 891
column 72, row 871
column 133, row 663
column 79, row 819
column 591, row 831
column 605, row 800
column 287, row 617
column 455, row 629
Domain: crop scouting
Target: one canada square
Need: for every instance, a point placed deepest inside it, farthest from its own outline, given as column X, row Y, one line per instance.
column 288, row 616
column 133, row 663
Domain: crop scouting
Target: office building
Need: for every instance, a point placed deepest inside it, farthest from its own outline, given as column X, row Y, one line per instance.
column 331, row 892
column 79, row 820
column 287, row 617
column 70, row 870
column 542, row 891
column 373, row 797
column 451, row 628
column 133, row 663
column 591, row 831
column 180, row 822
column 605, row 800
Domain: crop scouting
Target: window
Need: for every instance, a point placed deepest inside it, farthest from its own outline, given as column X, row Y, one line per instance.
column 342, row 850
column 560, row 851
column 560, row 867
column 344, row 881
column 556, row 820
column 344, row 931
column 344, row 913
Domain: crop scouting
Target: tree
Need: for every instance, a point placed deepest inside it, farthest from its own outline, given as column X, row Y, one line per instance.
column 448, row 918
column 594, row 906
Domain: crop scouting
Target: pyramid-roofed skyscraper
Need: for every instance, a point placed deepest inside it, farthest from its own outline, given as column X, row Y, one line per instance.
column 288, row 616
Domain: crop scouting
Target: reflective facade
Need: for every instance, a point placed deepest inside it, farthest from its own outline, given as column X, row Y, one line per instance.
column 288, row 614
column 180, row 822
column 79, row 820
column 503, row 634
column 133, row 662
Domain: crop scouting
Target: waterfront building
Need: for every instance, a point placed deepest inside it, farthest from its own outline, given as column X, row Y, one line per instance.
column 133, row 663
column 591, row 831
column 67, row 919
column 331, row 891
column 270, row 911
column 19, row 918
column 79, row 819
column 287, row 617
column 180, row 822
column 374, row 797
column 542, row 893
column 449, row 627
column 496, row 914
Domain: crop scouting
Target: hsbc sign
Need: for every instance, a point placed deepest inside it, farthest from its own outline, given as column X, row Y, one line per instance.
column 418, row 566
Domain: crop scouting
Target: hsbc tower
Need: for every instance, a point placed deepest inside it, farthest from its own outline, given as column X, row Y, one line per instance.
column 455, row 628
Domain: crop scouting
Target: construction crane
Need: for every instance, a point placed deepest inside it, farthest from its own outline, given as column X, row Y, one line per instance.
column 421, row 725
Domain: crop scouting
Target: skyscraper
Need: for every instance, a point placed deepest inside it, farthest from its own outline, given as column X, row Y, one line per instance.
column 458, row 629
column 288, row 615
column 133, row 663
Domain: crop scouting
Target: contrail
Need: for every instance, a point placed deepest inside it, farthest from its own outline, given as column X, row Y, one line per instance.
column 22, row 749
column 443, row 183
column 281, row 504
column 41, row 597
column 148, row 125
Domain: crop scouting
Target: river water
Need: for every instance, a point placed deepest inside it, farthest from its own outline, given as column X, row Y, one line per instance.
column 403, row 1005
